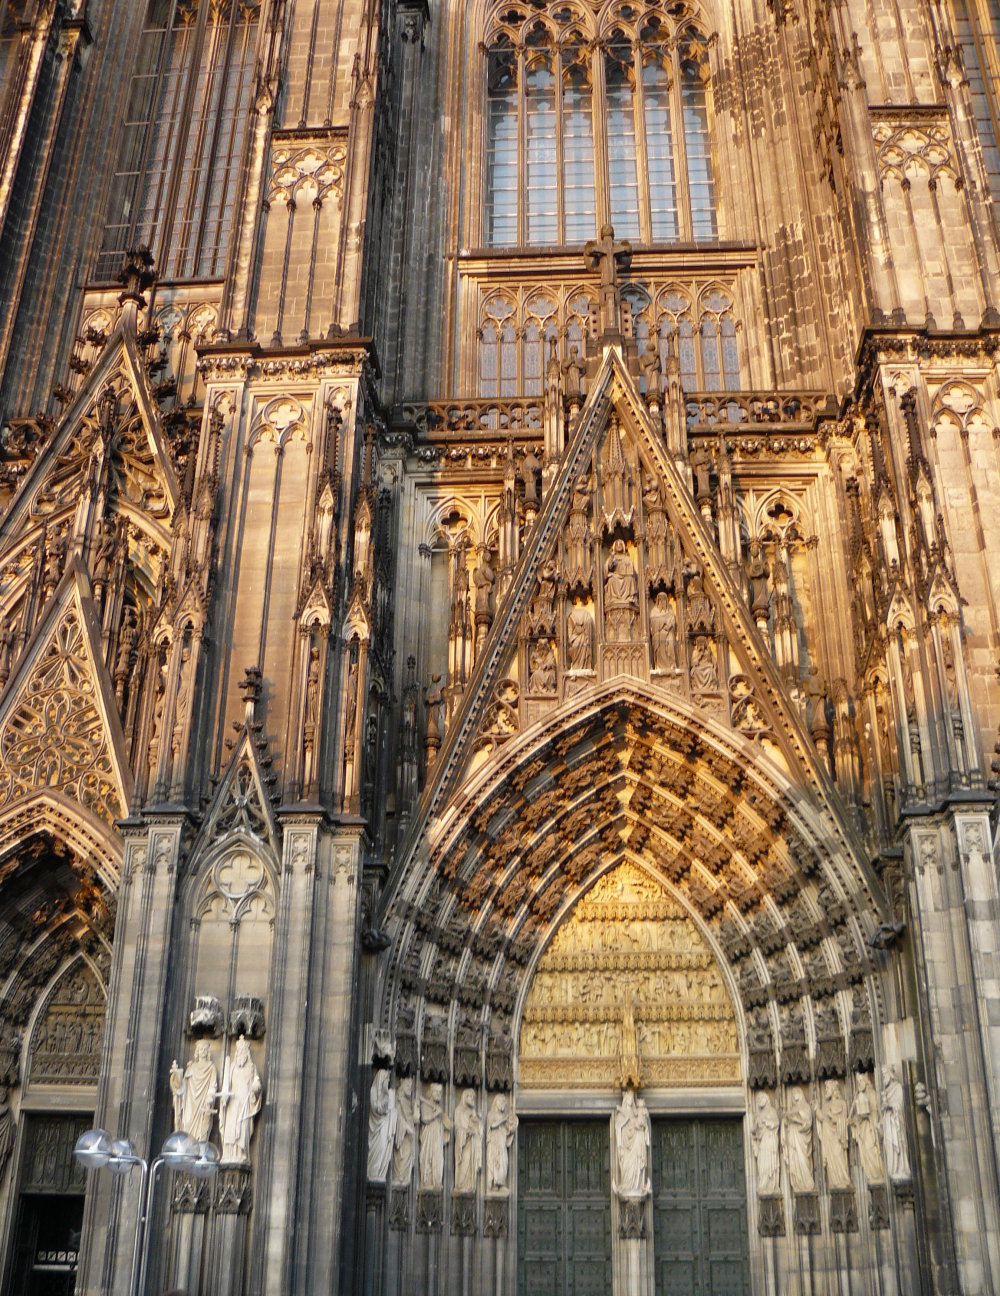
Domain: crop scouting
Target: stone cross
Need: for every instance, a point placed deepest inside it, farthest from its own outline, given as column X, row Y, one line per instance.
column 608, row 256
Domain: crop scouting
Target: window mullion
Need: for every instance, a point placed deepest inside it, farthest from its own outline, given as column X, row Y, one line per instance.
column 684, row 225
column 599, row 111
column 560, row 158
column 522, row 151
column 641, row 154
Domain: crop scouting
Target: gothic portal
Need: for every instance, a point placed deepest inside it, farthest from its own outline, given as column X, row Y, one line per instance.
column 499, row 645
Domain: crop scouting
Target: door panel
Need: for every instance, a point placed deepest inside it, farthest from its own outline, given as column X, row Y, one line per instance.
column 699, row 1208
column 564, row 1208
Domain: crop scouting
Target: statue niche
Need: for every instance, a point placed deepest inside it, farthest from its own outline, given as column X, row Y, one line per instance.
column 628, row 982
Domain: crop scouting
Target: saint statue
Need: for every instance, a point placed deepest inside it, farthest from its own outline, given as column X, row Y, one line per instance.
column 764, row 1136
column 468, row 1143
column 864, row 1127
column 580, row 638
column 831, row 1124
column 195, row 1099
column 542, row 678
column 404, row 1142
column 621, row 594
column 663, row 634
column 704, row 676
column 797, row 1134
column 435, row 1130
column 501, row 1125
column 630, row 1177
column 649, row 363
column 897, row 1158
column 239, row 1104
column 382, row 1119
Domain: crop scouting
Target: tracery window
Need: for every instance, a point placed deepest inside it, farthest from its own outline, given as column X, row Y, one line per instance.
column 697, row 321
column 183, row 134
column 595, row 120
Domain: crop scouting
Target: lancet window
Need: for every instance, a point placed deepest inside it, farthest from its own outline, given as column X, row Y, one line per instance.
column 182, row 137
column 595, row 120
column 977, row 26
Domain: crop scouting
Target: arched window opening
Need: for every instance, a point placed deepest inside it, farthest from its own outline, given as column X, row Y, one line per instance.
column 585, row 127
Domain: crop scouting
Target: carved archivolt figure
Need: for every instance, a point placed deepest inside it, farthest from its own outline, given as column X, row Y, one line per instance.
column 831, row 1123
column 764, row 1138
column 239, row 1104
column 632, row 1142
column 468, row 1143
column 194, row 1093
column 897, row 1158
column 797, row 1133
column 404, row 1144
column 501, row 1125
column 435, row 1130
column 864, row 1127
column 382, row 1118
column 663, row 634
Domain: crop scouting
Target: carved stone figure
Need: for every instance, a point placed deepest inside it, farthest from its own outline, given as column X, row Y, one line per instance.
column 483, row 577
column 239, row 1104
column 206, row 1015
column 701, row 466
column 312, row 688
column 405, row 1140
column 651, row 371
column 7, row 1129
column 530, row 470
column 764, row 1138
column 580, row 638
column 382, row 1120
column 797, row 1136
column 197, row 1092
column 831, row 1124
column 701, row 618
column 897, row 1157
column 864, row 1128
column 435, row 1131
column 630, row 1178
column 573, row 376
column 501, row 1125
column 663, row 634
column 468, row 1143
column 621, row 594
column 183, row 704
column 704, row 676
column 542, row 678
column 578, row 559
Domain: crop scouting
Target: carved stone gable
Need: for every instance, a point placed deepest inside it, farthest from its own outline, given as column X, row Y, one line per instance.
column 59, row 728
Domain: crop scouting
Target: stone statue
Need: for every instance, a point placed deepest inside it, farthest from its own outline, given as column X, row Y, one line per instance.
column 530, row 470
column 701, row 465
column 382, row 1120
column 239, row 1104
column 543, row 668
column 650, row 366
column 797, row 1136
column 197, row 1092
column 630, row 1176
column 764, row 1137
column 501, row 1125
column 312, row 688
column 897, row 1157
column 435, row 1131
column 468, row 1143
column 183, row 703
column 704, row 676
column 864, row 1128
column 580, row 638
column 405, row 1140
column 177, row 1094
column 573, row 376
column 701, row 618
column 621, row 594
column 483, row 577
column 663, row 634
column 831, row 1124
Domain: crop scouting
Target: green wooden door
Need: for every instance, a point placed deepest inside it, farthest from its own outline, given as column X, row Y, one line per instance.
column 699, row 1208
column 563, row 1208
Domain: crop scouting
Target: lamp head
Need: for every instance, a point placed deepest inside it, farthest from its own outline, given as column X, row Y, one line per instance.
column 207, row 1163
column 93, row 1149
column 123, row 1156
column 180, row 1150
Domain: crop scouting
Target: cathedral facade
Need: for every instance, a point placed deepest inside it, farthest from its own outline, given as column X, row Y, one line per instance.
column 499, row 646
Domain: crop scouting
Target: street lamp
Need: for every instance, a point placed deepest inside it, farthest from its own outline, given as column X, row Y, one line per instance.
column 96, row 1150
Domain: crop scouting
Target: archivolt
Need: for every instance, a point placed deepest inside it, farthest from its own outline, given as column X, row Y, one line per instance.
column 767, row 868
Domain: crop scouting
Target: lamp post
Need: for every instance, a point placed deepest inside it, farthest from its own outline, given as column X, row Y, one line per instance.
column 95, row 1150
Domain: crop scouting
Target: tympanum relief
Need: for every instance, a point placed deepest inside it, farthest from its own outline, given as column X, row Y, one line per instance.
column 628, row 960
